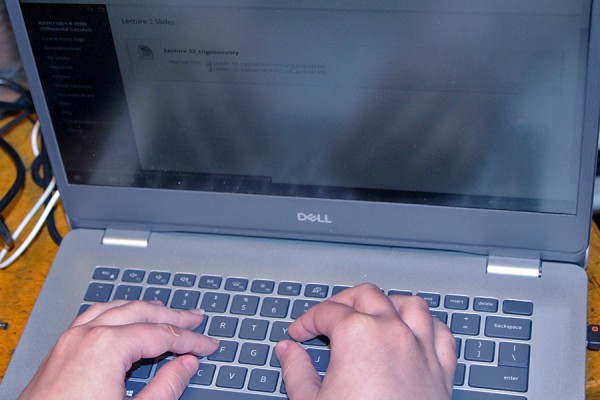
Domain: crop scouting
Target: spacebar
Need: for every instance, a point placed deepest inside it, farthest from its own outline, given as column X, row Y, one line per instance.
column 470, row 395
column 194, row 393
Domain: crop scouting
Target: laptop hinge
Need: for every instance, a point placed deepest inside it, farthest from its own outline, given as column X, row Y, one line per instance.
column 115, row 237
column 514, row 266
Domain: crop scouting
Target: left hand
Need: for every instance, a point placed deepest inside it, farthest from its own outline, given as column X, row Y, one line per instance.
column 91, row 359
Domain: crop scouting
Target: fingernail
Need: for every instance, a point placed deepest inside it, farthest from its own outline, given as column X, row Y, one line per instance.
column 197, row 311
column 191, row 364
column 281, row 347
column 214, row 340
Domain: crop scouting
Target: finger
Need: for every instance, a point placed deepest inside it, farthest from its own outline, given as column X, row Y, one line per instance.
column 143, row 340
column 95, row 310
column 414, row 312
column 171, row 380
column 299, row 375
column 148, row 312
column 366, row 298
column 445, row 348
column 321, row 319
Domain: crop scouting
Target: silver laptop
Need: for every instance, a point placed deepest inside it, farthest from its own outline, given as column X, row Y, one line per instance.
column 253, row 158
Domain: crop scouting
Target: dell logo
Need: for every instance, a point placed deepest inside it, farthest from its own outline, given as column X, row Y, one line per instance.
column 318, row 218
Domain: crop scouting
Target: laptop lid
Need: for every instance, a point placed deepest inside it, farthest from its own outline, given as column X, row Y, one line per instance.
column 467, row 126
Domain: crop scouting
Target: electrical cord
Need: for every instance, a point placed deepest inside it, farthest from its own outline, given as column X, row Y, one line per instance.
column 41, row 175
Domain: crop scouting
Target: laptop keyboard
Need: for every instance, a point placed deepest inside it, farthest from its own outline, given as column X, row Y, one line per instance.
column 250, row 316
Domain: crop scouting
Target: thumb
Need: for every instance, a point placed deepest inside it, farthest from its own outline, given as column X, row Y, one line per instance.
column 300, row 377
column 171, row 380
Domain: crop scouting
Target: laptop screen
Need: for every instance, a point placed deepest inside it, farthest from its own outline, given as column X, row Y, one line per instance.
column 449, row 103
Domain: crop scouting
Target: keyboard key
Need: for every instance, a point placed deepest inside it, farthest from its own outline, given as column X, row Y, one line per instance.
column 83, row 308
column 275, row 307
column 472, row 395
column 458, row 345
column 215, row 302
column 432, row 299
column 244, row 305
column 204, row 375
column 262, row 286
column 202, row 327
column 479, row 350
column 185, row 280
column 254, row 353
column 441, row 315
column 98, row 292
column 508, row 328
column 289, row 288
column 133, row 388
column 339, row 288
column 222, row 326
column 106, row 273
column 133, row 276
column 499, row 378
column 231, row 377
column 141, row 369
column 226, row 351
column 485, row 304
column 210, row 282
column 513, row 355
column 236, row 284
column 316, row 290
column 254, row 329
column 128, row 292
column 157, row 294
column 185, row 299
column 263, row 380
column 320, row 341
column 279, row 331
column 459, row 374
column 196, row 393
column 302, row 306
column 517, row 307
column 159, row 278
column 320, row 358
column 465, row 324
column 454, row 302
column 394, row 292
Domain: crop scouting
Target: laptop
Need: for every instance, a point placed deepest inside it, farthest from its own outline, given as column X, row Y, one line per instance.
column 253, row 158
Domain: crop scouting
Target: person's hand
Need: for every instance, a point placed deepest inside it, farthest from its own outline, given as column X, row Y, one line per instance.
column 91, row 358
column 381, row 348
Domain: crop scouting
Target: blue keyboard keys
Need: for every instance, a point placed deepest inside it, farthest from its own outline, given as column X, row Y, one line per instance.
column 244, row 304
column 205, row 374
column 465, row 324
column 262, row 286
column 157, row 294
column 185, row 299
column 185, row 280
column 274, row 307
column 159, row 278
column 133, row 276
column 128, row 292
column 253, row 329
column 231, row 377
column 254, row 353
column 98, row 292
column 236, row 284
column 289, row 288
column 106, row 273
column 263, row 380
column 215, row 302
column 517, row 307
column 223, row 326
column 316, row 290
column 210, row 282
column 249, row 341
